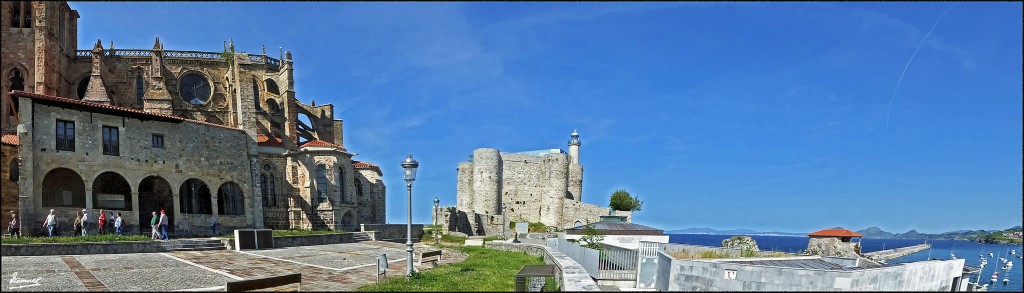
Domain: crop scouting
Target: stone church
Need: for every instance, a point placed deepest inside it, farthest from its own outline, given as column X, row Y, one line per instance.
column 203, row 135
column 544, row 186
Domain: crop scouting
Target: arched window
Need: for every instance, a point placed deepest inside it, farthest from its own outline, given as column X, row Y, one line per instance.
column 21, row 14
column 256, row 94
column 322, row 185
column 195, row 197
column 16, row 83
column 14, row 170
column 140, row 88
column 341, row 185
column 230, row 200
column 272, row 87
column 269, row 186
column 359, row 186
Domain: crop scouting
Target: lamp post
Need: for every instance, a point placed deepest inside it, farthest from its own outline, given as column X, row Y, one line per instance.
column 436, row 202
column 409, row 166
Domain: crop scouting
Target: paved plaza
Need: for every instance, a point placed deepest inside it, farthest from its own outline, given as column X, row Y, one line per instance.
column 334, row 267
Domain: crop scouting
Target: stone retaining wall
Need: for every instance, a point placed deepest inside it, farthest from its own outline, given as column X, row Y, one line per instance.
column 393, row 231
column 574, row 277
column 307, row 240
column 81, row 248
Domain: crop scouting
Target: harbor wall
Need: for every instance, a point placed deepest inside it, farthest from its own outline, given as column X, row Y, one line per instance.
column 884, row 255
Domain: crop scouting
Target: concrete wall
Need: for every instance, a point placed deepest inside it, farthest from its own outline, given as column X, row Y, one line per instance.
column 573, row 277
column 709, row 275
column 627, row 241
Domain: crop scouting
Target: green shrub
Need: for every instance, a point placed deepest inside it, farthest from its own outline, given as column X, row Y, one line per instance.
column 77, row 239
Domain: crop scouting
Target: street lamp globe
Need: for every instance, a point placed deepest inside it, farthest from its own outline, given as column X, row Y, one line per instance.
column 410, row 165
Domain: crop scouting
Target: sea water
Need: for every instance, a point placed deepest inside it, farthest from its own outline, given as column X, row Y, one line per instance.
column 941, row 249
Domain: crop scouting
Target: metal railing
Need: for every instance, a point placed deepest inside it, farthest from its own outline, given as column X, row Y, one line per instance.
column 617, row 263
column 193, row 55
column 273, row 63
column 83, row 53
column 133, row 53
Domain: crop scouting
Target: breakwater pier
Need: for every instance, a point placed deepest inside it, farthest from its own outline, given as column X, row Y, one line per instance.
column 884, row 255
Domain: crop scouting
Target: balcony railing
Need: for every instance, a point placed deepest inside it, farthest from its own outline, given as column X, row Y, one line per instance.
column 272, row 63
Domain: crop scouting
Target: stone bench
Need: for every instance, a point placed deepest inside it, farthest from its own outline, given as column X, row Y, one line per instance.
column 433, row 256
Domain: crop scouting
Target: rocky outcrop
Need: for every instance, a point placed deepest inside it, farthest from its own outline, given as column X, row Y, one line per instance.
column 743, row 243
column 831, row 246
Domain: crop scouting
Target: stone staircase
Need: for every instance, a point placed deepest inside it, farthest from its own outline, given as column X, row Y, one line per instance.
column 194, row 244
column 360, row 236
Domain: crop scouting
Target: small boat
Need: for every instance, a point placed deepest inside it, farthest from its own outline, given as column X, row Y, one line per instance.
column 995, row 277
column 990, row 254
column 1013, row 251
column 952, row 256
column 1006, row 281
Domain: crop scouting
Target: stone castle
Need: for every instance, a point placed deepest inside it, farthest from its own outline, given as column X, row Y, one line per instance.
column 544, row 186
column 202, row 135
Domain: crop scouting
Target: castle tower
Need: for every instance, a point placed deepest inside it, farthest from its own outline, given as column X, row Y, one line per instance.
column 574, row 147
column 486, row 181
column 575, row 184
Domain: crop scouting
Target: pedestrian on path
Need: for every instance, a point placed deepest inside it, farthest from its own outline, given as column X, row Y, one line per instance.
column 110, row 222
column 77, row 224
column 213, row 225
column 14, row 228
column 163, row 224
column 117, row 224
column 85, row 222
column 154, row 227
column 102, row 223
column 50, row 223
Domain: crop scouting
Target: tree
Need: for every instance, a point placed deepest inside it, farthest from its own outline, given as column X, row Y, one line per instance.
column 622, row 201
column 591, row 238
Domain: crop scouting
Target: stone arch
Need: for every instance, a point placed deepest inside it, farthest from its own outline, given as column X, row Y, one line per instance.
column 194, row 197
column 83, row 86
column 111, row 191
column 348, row 221
column 213, row 119
column 341, row 184
column 230, row 200
column 271, row 86
column 63, row 187
column 155, row 194
column 14, row 80
column 273, row 106
column 256, row 93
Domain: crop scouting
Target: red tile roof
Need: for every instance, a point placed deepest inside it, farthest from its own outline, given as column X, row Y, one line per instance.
column 367, row 165
column 270, row 141
column 320, row 143
column 835, row 232
column 10, row 139
column 118, row 110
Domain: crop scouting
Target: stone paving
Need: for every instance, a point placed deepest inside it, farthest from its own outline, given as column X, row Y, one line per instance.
column 334, row 267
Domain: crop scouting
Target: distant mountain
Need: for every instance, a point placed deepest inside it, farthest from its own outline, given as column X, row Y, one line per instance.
column 875, row 232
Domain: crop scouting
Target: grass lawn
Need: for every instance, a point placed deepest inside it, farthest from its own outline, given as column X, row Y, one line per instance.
column 286, row 233
column 76, row 239
column 484, row 270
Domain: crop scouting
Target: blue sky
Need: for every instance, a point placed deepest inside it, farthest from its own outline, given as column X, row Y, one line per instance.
column 771, row 117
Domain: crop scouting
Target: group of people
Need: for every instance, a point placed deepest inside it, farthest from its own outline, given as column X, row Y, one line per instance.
column 159, row 224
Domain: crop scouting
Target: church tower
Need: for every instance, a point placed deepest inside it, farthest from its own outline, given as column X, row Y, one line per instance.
column 574, row 147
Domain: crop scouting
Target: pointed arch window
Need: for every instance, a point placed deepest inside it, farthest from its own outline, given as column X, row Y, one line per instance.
column 269, row 186
column 140, row 88
column 321, row 185
column 256, row 94
column 16, row 83
column 272, row 87
column 21, row 14
column 341, row 185
column 230, row 200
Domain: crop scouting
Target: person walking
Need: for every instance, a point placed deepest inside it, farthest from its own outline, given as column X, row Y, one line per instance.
column 110, row 222
column 213, row 226
column 14, row 228
column 154, row 227
column 78, row 224
column 102, row 223
column 85, row 222
column 117, row 224
column 50, row 223
column 163, row 225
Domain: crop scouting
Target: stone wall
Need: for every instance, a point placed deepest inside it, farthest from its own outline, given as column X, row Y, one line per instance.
column 832, row 246
column 81, row 248
column 9, row 190
column 394, row 231
column 308, row 240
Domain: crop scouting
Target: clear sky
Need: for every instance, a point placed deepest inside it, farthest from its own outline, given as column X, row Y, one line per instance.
column 766, row 116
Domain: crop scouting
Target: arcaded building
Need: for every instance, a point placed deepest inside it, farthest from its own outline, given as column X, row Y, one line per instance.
column 542, row 186
column 200, row 134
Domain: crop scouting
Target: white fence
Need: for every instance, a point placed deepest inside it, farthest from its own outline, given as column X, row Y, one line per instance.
column 610, row 263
